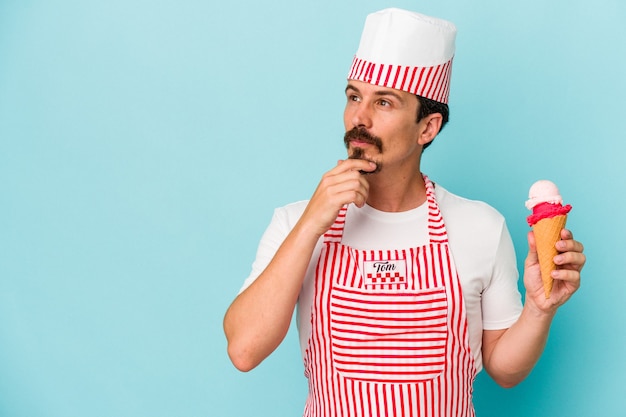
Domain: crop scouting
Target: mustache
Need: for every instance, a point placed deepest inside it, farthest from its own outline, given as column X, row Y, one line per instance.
column 362, row 135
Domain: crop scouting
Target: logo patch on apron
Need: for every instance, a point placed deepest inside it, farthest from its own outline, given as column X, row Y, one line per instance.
column 383, row 274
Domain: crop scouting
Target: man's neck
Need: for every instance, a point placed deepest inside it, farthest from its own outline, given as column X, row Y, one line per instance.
column 395, row 194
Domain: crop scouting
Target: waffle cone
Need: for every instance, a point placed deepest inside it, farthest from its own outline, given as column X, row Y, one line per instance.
column 547, row 232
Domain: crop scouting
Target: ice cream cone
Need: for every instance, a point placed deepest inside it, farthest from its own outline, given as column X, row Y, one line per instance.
column 547, row 232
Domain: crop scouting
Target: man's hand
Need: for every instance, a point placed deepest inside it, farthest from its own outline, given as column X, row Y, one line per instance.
column 569, row 261
column 510, row 354
column 342, row 185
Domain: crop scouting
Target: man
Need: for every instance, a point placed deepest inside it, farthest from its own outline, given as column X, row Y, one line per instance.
column 404, row 290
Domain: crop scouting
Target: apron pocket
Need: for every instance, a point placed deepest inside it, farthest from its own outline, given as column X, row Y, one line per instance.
column 388, row 337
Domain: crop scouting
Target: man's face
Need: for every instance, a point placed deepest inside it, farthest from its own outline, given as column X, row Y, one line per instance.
column 381, row 125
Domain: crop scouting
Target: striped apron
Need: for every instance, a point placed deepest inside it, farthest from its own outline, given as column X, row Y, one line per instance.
column 389, row 330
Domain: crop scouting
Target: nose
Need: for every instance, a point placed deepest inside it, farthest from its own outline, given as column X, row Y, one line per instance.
column 361, row 116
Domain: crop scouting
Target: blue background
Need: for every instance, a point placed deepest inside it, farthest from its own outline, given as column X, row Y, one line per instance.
column 145, row 144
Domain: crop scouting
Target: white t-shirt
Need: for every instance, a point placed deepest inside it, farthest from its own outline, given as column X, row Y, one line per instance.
column 479, row 241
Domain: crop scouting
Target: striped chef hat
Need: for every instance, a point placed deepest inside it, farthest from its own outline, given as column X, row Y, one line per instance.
column 407, row 51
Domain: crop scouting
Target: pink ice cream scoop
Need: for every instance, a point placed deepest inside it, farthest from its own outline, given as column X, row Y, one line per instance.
column 545, row 202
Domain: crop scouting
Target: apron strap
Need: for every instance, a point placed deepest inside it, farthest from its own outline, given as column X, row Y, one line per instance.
column 436, row 228
column 335, row 233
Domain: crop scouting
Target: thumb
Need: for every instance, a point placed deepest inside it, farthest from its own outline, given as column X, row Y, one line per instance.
column 532, row 257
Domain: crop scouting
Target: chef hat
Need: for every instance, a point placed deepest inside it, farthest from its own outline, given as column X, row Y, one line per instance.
column 407, row 51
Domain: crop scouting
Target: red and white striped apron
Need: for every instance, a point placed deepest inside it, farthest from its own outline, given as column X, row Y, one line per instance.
column 389, row 330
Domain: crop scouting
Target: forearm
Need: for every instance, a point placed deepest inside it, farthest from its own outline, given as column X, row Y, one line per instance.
column 259, row 318
column 512, row 356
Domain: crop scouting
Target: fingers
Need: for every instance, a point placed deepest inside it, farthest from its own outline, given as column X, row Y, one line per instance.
column 569, row 275
column 353, row 165
column 344, row 184
column 570, row 252
column 566, row 234
column 345, row 189
column 567, row 243
column 570, row 256
column 532, row 258
column 532, row 245
column 570, row 260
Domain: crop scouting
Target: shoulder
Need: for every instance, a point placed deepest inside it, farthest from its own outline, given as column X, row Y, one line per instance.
column 288, row 215
column 472, row 225
column 473, row 213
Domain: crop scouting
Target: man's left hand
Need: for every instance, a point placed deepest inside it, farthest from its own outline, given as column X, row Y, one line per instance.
column 569, row 261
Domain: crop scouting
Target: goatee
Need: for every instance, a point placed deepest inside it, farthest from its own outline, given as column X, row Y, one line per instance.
column 362, row 135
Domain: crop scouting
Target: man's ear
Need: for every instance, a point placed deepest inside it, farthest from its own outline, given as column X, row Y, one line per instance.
column 430, row 127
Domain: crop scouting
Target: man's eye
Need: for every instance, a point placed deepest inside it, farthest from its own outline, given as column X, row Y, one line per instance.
column 384, row 103
column 353, row 98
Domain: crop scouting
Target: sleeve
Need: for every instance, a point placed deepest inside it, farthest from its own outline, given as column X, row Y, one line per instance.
column 501, row 299
column 282, row 222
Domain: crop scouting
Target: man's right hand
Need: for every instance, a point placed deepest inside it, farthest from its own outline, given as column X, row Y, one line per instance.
column 258, row 320
column 342, row 185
